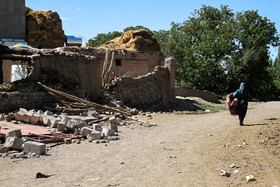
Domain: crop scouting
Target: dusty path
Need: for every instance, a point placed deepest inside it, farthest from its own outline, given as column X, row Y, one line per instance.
column 183, row 150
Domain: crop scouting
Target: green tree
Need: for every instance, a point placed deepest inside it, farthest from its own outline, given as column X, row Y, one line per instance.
column 250, row 61
column 200, row 45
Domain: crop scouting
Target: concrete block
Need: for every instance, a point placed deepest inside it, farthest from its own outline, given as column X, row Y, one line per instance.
column 61, row 126
column 86, row 131
column 54, row 122
column 40, row 112
column 35, row 147
column 107, row 132
column 95, row 135
column 19, row 115
column 13, row 143
column 46, row 120
column 35, row 118
column 73, row 124
column 113, row 127
column 112, row 120
column 14, row 133
column 27, row 116
column 96, row 127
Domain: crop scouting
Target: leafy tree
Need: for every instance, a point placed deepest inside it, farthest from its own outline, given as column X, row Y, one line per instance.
column 201, row 45
column 250, row 60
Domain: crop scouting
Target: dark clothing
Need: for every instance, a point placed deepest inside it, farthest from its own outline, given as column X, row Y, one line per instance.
column 243, row 95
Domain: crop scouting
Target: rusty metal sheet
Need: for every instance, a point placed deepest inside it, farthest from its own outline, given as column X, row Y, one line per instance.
column 25, row 128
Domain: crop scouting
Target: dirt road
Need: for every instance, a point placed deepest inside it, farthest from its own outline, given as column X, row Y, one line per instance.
column 183, row 150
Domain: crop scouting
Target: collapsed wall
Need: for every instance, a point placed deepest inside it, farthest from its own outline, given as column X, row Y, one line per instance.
column 156, row 88
column 79, row 74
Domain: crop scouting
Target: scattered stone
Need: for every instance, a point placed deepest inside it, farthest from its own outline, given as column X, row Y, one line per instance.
column 48, row 113
column 13, row 143
column 19, row 115
column 113, row 127
column 232, row 166
column 35, row 147
column 10, row 117
column 14, row 133
column 107, row 132
column 250, row 178
column 67, row 140
column 236, row 171
column 86, row 131
column 95, row 135
column 96, row 127
column 112, row 120
column 4, row 150
column 122, row 162
column 61, row 126
column 35, row 118
column 225, row 173
column 77, row 141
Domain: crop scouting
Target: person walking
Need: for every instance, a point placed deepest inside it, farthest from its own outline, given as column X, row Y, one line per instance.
column 242, row 94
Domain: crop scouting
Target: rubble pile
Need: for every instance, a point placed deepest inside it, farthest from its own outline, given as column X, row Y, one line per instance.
column 44, row 29
column 139, row 40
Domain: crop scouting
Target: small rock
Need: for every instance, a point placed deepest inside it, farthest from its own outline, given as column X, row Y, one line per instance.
column 250, row 178
column 232, row 166
column 225, row 173
column 236, row 171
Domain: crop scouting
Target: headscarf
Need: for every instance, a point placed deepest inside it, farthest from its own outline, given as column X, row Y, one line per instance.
column 242, row 87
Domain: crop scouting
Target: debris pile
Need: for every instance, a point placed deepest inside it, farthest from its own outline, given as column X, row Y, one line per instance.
column 139, row 40
column 70, row 123
column 44, row 29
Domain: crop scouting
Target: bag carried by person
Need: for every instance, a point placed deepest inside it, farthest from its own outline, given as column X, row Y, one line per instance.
column 232, row 104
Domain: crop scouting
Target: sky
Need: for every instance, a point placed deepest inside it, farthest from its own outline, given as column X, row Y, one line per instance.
column 87, row 18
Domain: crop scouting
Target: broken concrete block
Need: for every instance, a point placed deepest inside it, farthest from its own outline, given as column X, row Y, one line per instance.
column 13, row 143
column 46, row 120
column 72, row 124
column 95, row 135
column 27, row 116
column 14, row 133
column 107, row 132
column 48, row 113
column 61, row 126
column 113, row 127
column 53, row 122
column 35, row 118
column 86, row 131
column 64, row 118
column 35, row 147
column 112, row 120
column 19, row 115
column 96, row 127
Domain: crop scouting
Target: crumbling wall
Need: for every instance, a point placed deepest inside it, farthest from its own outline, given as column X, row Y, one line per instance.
column 7, row 70
column 82, row 72
column 206, row 95
column 135, row 63
column 44, row 29
column 152, row 90
column 10, row 101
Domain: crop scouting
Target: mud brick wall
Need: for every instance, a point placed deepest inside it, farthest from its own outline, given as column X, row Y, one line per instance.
column 10, row 101
column 153, row 89
column 7, row 70
column 136, row 62
column 206, row 95
column 85, row 70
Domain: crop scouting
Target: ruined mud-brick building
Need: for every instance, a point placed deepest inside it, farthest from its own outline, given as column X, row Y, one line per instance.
column 78, row 71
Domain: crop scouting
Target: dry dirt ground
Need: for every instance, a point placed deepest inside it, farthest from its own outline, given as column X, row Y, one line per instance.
column 182, row 150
